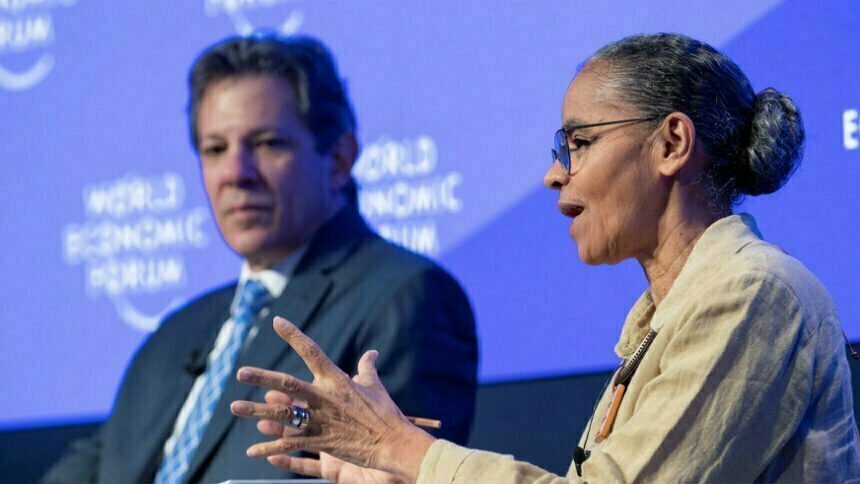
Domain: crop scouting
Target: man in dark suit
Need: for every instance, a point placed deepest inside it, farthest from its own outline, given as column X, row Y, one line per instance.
column 274, row 130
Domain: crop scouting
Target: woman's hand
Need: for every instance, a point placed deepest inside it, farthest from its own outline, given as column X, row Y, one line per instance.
column 333, row 469
column 352, row 419
column 327, row 466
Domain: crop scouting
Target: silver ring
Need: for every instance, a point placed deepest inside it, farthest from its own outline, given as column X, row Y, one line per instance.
column 300, row 417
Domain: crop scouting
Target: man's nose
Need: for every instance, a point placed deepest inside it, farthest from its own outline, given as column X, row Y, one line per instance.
column 556, row 177
column 242, row 165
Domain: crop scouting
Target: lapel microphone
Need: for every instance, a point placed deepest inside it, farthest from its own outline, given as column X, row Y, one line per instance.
column 621, row 377
column 580, row 455
column 195, row 365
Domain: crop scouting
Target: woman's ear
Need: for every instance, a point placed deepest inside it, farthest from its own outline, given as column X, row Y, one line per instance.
column 343, row 153
column 675, row 143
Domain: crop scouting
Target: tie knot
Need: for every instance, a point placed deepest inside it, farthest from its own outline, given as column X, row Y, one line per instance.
column 252, row 297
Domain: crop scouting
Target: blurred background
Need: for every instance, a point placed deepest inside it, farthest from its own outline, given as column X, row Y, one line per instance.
column 106, row 226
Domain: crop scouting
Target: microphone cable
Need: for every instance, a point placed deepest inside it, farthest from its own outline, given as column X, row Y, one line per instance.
column 580, row 455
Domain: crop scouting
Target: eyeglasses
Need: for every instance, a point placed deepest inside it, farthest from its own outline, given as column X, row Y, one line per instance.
column 561, row 150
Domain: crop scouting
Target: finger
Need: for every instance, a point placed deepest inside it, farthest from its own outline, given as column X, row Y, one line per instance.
column 299, row 465
column 317, row 361
column 367, row 375
column 275, row 380
column 270, row 428
column 276, row 429
column 280, row 446
column 266, row 411
column 274, row 396
column 330, row 467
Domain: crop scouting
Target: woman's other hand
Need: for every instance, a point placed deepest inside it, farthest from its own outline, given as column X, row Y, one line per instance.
column 333, row 469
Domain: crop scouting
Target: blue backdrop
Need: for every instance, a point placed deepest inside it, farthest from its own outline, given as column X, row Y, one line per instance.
column 106, row 227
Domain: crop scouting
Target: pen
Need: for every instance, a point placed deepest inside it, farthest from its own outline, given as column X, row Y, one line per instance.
column 428, row 423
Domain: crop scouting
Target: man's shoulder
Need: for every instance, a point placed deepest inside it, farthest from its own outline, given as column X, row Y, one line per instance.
column 392, row 254
column 207, row 310
column 213, row 300
column 379, row 258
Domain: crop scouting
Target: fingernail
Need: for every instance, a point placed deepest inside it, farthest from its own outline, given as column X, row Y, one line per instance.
column 280, row 323
column 244, row 374
column 240, row 407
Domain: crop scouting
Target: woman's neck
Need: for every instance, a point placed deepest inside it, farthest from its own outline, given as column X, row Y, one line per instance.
column 677, row 235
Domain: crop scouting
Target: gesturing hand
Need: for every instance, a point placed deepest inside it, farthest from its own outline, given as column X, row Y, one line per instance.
column 352, row 419
column 327, row 466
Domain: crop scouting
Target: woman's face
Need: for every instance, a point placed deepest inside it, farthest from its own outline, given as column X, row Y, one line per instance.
column 613, row 194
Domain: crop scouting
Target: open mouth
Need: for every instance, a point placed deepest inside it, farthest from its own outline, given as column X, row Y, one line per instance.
column 571, row 210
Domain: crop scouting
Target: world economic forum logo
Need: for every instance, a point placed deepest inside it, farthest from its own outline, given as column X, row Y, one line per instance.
column 404, row 192
column 240, row 12
column 851, row 129
column 26, row 34
column 133, row 243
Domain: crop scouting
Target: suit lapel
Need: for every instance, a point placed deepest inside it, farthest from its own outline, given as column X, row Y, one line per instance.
column 308, row 286
column 148, row 454
column 149, row 445
column 298, row 302
column 302, row 296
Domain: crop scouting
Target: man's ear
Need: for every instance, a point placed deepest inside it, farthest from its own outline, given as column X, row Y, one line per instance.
column 675, row 144
column 344, row 153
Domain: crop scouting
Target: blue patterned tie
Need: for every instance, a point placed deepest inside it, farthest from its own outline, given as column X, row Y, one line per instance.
column 174, row 465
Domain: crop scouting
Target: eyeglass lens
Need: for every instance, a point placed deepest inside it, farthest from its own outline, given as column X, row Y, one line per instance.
column 561, row 152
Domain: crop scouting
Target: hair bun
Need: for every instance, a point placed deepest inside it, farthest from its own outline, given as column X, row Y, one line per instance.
column 775, row 145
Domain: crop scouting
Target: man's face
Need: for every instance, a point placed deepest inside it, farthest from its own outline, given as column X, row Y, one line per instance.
column 269, row 188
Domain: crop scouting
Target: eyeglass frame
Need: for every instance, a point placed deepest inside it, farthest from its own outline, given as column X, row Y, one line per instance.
column 563, row 132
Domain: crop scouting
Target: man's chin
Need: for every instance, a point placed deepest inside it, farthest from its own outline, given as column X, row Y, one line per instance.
column 250, row 245
column 261, row 252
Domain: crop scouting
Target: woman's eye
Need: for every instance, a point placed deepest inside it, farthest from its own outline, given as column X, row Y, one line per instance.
column 212, row 150
column 578, row 143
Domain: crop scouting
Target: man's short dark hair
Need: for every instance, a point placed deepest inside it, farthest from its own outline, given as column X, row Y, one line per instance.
column 303, row 61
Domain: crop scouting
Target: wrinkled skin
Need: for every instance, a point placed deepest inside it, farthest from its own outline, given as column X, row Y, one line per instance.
column 359, row 432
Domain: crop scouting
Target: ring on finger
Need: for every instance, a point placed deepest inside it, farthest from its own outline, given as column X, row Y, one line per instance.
column 299, row 417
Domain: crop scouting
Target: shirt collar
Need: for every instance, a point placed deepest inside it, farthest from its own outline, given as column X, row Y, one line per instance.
column 276, row 277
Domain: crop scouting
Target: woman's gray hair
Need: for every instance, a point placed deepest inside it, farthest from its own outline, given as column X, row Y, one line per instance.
column 755, row 141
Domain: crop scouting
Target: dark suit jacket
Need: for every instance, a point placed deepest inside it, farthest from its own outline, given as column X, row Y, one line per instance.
column 351, row 292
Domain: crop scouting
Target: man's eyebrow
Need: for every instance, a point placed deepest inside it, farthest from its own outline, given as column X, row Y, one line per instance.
column 262, row 130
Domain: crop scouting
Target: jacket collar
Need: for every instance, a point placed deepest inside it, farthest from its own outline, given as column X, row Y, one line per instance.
column 727, row 236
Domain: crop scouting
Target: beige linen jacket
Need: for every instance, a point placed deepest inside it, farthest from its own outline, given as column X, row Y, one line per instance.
column 745, row 381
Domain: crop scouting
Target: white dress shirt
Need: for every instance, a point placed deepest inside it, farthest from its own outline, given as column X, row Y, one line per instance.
column 275, row 279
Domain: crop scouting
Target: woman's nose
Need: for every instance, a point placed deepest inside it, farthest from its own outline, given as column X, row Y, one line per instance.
column 556, row 177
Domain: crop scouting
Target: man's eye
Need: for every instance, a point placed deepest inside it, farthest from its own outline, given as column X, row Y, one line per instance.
column 578, row 143
column 271, row 143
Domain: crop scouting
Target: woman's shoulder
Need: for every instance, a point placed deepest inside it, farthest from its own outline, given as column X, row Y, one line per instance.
column 733, row 264
column 759, row 260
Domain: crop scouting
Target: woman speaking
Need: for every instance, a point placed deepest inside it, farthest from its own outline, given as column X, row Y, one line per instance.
column 733, row 369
